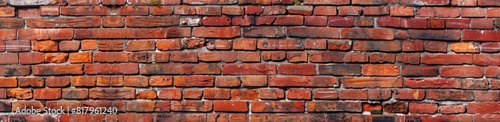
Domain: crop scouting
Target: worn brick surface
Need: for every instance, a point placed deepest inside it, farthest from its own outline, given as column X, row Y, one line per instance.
column 252, row 60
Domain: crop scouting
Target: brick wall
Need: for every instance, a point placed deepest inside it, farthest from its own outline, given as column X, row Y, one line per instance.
column 252, row 60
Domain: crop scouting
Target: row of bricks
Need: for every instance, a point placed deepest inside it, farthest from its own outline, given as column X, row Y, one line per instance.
column 248, row 81
column 396, row 11
column 250, row 57
column 242, row 2
column 262, row 106
column 290, row 20
column 266, row 32
column 251, row 94
column 256, row 117
column 267, row 45
column 255, row 69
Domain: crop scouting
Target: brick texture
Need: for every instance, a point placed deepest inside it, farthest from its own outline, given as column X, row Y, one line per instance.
column 251, row 60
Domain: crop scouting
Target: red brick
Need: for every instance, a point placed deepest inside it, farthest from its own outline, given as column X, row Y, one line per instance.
column 273, row 10
column 216, row 93
column 481, row 24
column 409, row 94
column 408, row 58
column 381, row 46
column 297, row 69
column 315, row 21
column 161, row 10
column 356, row 57
column 193, row 94
column 45, row 34
column 28, row 104
column 349, row 10
column 351, row 69
column 180, row 69
column 453, row 95
column 376, row 10
column 492, row 12
column 273, row 56
column 47, row 93
column 244, row 94
column 299, row 94
column 492, row 72
column 140, row 45
column 379, row 94
column 432, row 83
column 111, row 68
column 18, row 93
column 170, row 94
column 233, row 10
column 325, row 10
column 326, row 106
column 264, row 32
column 435, row 34
column 313, row 32
column 464, row 2
column 461, row 71
column 30, row 82
column 303, row 81
column 208, row 10
column 423, row 108
column 273, row 106
column 335, row 21
column 216, row 21
column 192, row 106
column 444, row 59
column 112, row 93
column 483, row 35
column 324, row 93
column 284, row 44
column 254, row 80
column 452, row 109
column 113, row 2
column 248, row 69
column 296, row 57
column 193, row 81
column 419, row 71
column 75, row 93
column 216, row 32
column 7, row 12
column 475, row 84
column 113, row 21
column 227, row 81
column 372, row 82
column 184, row 57
column 396, row 107
column 401, row 11
column 271, row 93
column 486, row 3
column 84, row 10
column 300, row 10
column 249, row 57
column 487, row 96
column 369, row 2
column 57, row 81
column 230, row 106
column 380, row 70
column 483, row 107
column 353, row 94
column 457, row 23
column 146, row 94
column 323, row 57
